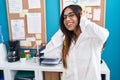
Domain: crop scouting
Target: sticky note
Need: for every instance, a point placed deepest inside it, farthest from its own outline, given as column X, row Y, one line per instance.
column 29, row 43
column 38, row 36
column 39, row 42
column 23, row 12
column 88, row 9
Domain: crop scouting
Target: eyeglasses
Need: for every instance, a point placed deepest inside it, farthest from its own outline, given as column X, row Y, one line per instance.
column 70, row 15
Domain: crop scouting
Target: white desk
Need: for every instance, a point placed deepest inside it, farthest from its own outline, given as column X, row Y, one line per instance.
column 54, row 68
column 10, row 69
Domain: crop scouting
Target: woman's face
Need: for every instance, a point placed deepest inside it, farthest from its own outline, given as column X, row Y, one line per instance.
column 70, row 19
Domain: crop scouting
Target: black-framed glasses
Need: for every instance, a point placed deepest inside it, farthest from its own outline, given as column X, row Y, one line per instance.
column 70, row 15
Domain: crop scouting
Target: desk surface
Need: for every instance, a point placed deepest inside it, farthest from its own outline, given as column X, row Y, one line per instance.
column 59, row 68
column 30, row 65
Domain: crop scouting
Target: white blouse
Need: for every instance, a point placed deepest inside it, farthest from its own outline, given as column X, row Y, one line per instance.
column 83, row 61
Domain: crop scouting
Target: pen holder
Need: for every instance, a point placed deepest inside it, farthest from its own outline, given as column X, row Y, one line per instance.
column 36, row 58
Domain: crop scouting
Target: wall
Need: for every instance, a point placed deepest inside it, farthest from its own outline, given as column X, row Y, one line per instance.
column 111, row 52
column 3, row 20
column 52, row 17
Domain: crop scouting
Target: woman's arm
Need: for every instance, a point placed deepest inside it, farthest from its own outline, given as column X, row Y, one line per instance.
column 94, row 30
column 54, row 47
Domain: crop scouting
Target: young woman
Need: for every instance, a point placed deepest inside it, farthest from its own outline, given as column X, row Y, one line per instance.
column 78, row 42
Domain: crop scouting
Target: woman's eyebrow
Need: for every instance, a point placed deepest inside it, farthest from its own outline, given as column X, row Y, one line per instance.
column 68, row 13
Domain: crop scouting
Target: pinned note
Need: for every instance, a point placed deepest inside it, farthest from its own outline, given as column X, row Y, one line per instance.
column 23, row 12
column 38, row 36
column 39, row 42
column 23, row 43
column 34, row 4
column 96, row 14
column 15, row 6
column 88, row 9
column 29, row 43
column 30, row 39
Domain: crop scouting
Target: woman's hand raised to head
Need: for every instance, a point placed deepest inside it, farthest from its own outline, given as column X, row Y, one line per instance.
column 85, row 13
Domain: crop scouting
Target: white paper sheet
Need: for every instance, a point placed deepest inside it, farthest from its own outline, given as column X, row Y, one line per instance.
column 15, row 6
column 34, row 22
column 30, row 39
column 23, row 43
column 18, row 31
column 96, row 14
column 34, row 4
column 81, row 2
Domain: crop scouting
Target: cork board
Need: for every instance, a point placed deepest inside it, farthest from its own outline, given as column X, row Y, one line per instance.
column 27, row 22
column 96, row 10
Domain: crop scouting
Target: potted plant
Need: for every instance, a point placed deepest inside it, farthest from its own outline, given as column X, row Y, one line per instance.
column 22, row 57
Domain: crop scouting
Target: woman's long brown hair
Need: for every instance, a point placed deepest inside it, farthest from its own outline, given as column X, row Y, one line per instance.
column 68, row 34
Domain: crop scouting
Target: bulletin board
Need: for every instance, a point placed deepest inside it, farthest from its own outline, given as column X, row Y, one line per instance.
column 95, row 9
column 27, row 22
